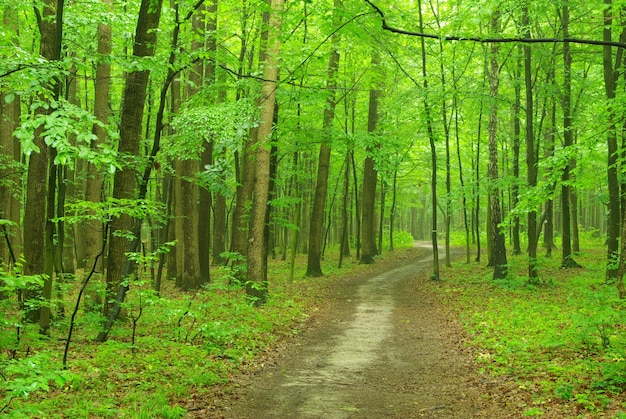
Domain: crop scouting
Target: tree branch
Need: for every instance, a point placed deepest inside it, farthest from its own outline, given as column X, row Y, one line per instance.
column 392, row 29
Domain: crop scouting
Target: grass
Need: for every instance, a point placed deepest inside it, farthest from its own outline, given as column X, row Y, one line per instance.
column 184, row 345
column 563, row 341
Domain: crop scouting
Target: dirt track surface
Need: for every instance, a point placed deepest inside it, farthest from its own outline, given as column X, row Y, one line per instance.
column 384, row 349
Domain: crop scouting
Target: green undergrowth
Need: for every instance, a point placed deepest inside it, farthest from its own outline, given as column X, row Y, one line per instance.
column 182, row 346
column 562, row 340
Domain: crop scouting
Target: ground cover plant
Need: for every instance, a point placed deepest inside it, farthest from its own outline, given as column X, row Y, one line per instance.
column 168, row 349
column 563, row 341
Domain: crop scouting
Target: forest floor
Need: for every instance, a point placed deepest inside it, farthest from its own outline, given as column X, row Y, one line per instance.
column 383, row 346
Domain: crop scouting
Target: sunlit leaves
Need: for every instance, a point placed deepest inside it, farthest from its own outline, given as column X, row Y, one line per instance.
column 68, row 129
column 226, row 124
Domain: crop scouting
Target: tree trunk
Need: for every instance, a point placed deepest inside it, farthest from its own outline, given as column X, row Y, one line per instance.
column 93, row 229
column 130, row 137
column 548, row 234
column 433, row 155
column 392, row 211
column 10, row 171
column 531, row 164
column 190, row 275
column 245, row 167
column 610, row 83
column 498, row 250
column 37, row 233
column 517, row 132
column 205, row 74
column 446, row 133
column 256, row 284
column 567, row 260
column 314, row 267
column 466, row 223
column 344, row 248
column 370, row 176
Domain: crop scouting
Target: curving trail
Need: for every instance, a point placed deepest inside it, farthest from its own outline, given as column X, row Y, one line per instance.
column 385, row 349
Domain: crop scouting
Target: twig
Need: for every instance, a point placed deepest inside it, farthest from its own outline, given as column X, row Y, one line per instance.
column 80, row 294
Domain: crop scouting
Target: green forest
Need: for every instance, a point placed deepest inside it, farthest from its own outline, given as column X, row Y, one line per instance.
column 188, row 177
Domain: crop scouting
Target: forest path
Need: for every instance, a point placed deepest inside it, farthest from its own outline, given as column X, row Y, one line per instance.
column 385, row 348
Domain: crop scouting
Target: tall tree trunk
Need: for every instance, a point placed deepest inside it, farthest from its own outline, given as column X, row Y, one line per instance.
column 433, row 153
column 370, row 176
column 245, row 167
column 293, row 243
column 131, row 124
column 548, row 234
column 567, row 261
column 477, row 191
column 10, row 170
column 517, row 132
column 466, row 223
column 498, row 250
column 314, row 267
column 194, row 201
column 357, row 208
column 37, row 226
column 256, row 284
column 446, row 133
column 610, row 85
column 93, row 229
column 206, row 75
column 531, row 164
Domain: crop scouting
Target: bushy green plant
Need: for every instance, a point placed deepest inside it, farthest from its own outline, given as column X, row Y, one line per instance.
column 38, row 372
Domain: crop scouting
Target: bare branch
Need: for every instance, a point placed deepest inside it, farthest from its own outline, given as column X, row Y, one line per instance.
column 392, row 29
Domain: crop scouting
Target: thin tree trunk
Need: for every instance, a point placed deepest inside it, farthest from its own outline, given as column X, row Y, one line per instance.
column 321, row 188
column 498, row 250
column 548, row 234
column 462, row 180
column 517, row 132
column 531, row 164
column 10, row 176
column 205, row 73
column 610, row 84
column 94, row 229
column 433, row 154
column 344, row 248
column 567, row 260
column 370, row 176
column 392, row 211
column 256, row 284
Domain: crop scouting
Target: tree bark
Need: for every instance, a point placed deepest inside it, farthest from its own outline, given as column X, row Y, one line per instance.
column 517, row 132
column 370, row 176
column 38, row 250
column 93, row 229
column 256, row 284
column 130, row 137
column 433, row 155
column 567, row 260
column 314, row 267
column 610, row 85
column 206, row 73
column 10, row 170
column 531, row 164
column 498, row 250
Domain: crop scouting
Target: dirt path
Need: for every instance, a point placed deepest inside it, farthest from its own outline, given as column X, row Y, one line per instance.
column 386, row 349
